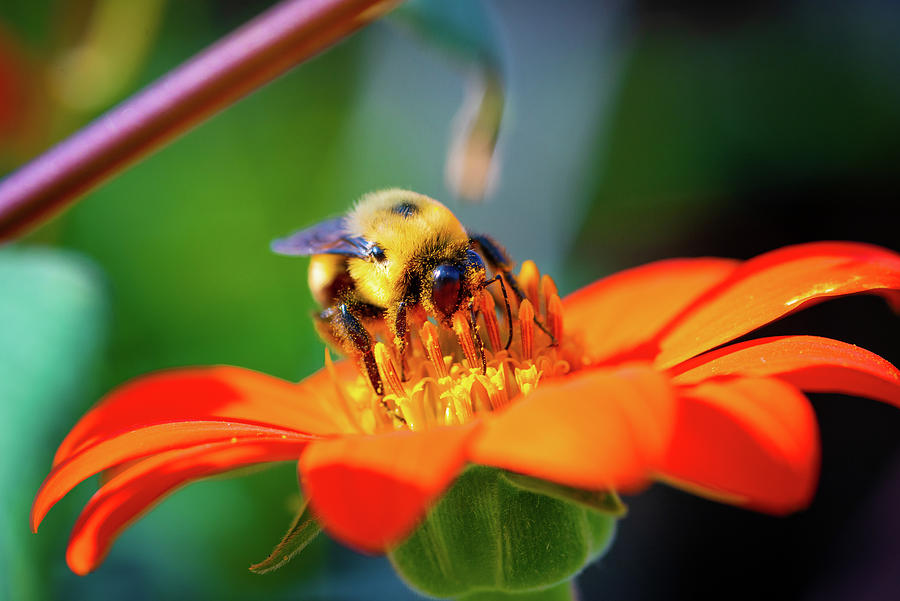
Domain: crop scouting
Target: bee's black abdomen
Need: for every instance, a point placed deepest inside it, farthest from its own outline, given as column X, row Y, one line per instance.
column 493, row 252
column 406, row 209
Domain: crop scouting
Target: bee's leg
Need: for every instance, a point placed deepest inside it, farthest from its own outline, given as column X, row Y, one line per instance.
column 356, row 341
column 496, row 257
column 473, row 324
column 323, row 321
column 400, row 329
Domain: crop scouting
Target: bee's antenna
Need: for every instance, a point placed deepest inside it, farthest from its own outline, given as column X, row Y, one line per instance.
column 497, row 278
column 553, row 340
column 519, row 293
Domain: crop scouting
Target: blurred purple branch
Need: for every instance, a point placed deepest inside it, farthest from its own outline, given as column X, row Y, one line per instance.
column 256, row 53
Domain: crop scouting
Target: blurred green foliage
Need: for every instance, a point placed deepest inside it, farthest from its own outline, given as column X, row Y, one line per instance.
column 707, row 114
column 182, row 240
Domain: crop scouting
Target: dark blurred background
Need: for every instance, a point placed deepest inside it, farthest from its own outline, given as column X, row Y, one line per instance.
column 633, row 131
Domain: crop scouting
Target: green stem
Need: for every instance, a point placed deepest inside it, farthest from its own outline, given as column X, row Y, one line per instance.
column 564, row 591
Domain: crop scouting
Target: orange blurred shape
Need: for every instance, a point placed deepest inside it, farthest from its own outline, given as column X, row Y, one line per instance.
column 472, row 162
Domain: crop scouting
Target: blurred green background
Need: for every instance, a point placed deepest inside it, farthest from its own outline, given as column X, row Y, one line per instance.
column 632, row 131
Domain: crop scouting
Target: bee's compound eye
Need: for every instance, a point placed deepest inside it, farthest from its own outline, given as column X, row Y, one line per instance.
column 377, row 253
column 473, row 259
column 445, row 288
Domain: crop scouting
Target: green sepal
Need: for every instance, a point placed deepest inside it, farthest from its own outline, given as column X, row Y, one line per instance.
column 560, row 592
column 603, row 501
column 488, row 535
column 302, row 532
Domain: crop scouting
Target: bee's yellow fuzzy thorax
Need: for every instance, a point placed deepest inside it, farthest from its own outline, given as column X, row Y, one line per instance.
column 444, row 382
column 429, row 231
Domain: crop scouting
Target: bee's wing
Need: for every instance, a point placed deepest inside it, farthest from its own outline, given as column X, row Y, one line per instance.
column 326, row 238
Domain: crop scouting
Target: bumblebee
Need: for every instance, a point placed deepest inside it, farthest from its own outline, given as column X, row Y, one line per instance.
column 395, row 253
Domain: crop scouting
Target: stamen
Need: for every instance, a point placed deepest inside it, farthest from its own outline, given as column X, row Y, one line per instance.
column 412, row 413
column 527, row 379
column 464, row 334
column 432, row 347
column 481, row 400
column 462, row 407
column 432, row 405
column 548, row 291
column 555, row 316
column 526, row 327
column 443, row 390
column 382, row 413
column 529, row 277
column 490, row 320
column 510, row 386
column 388, row 371
column 497, row 396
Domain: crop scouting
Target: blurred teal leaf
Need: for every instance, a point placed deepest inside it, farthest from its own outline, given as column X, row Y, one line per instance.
column 466, row 31
column 53, row 314
column 465, row 28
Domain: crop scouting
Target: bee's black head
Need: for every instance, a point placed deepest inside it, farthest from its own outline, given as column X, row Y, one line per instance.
column 452, row 283
column 446, row 288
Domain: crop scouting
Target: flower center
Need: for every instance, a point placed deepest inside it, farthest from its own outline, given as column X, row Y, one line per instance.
column 440, row 379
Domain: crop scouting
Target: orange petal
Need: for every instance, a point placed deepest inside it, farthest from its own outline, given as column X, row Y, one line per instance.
column 371, row 491
column 137, row 444
column 810, row 363
column 619, row 313
column 124, row 498
column 210, row 394
column 749, row 441
column 773, row 285
column 600, row 429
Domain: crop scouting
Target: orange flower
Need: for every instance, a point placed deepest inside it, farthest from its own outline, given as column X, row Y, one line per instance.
column 639, row 388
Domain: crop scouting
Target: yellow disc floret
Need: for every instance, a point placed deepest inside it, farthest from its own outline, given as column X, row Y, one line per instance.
column 439, row 380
